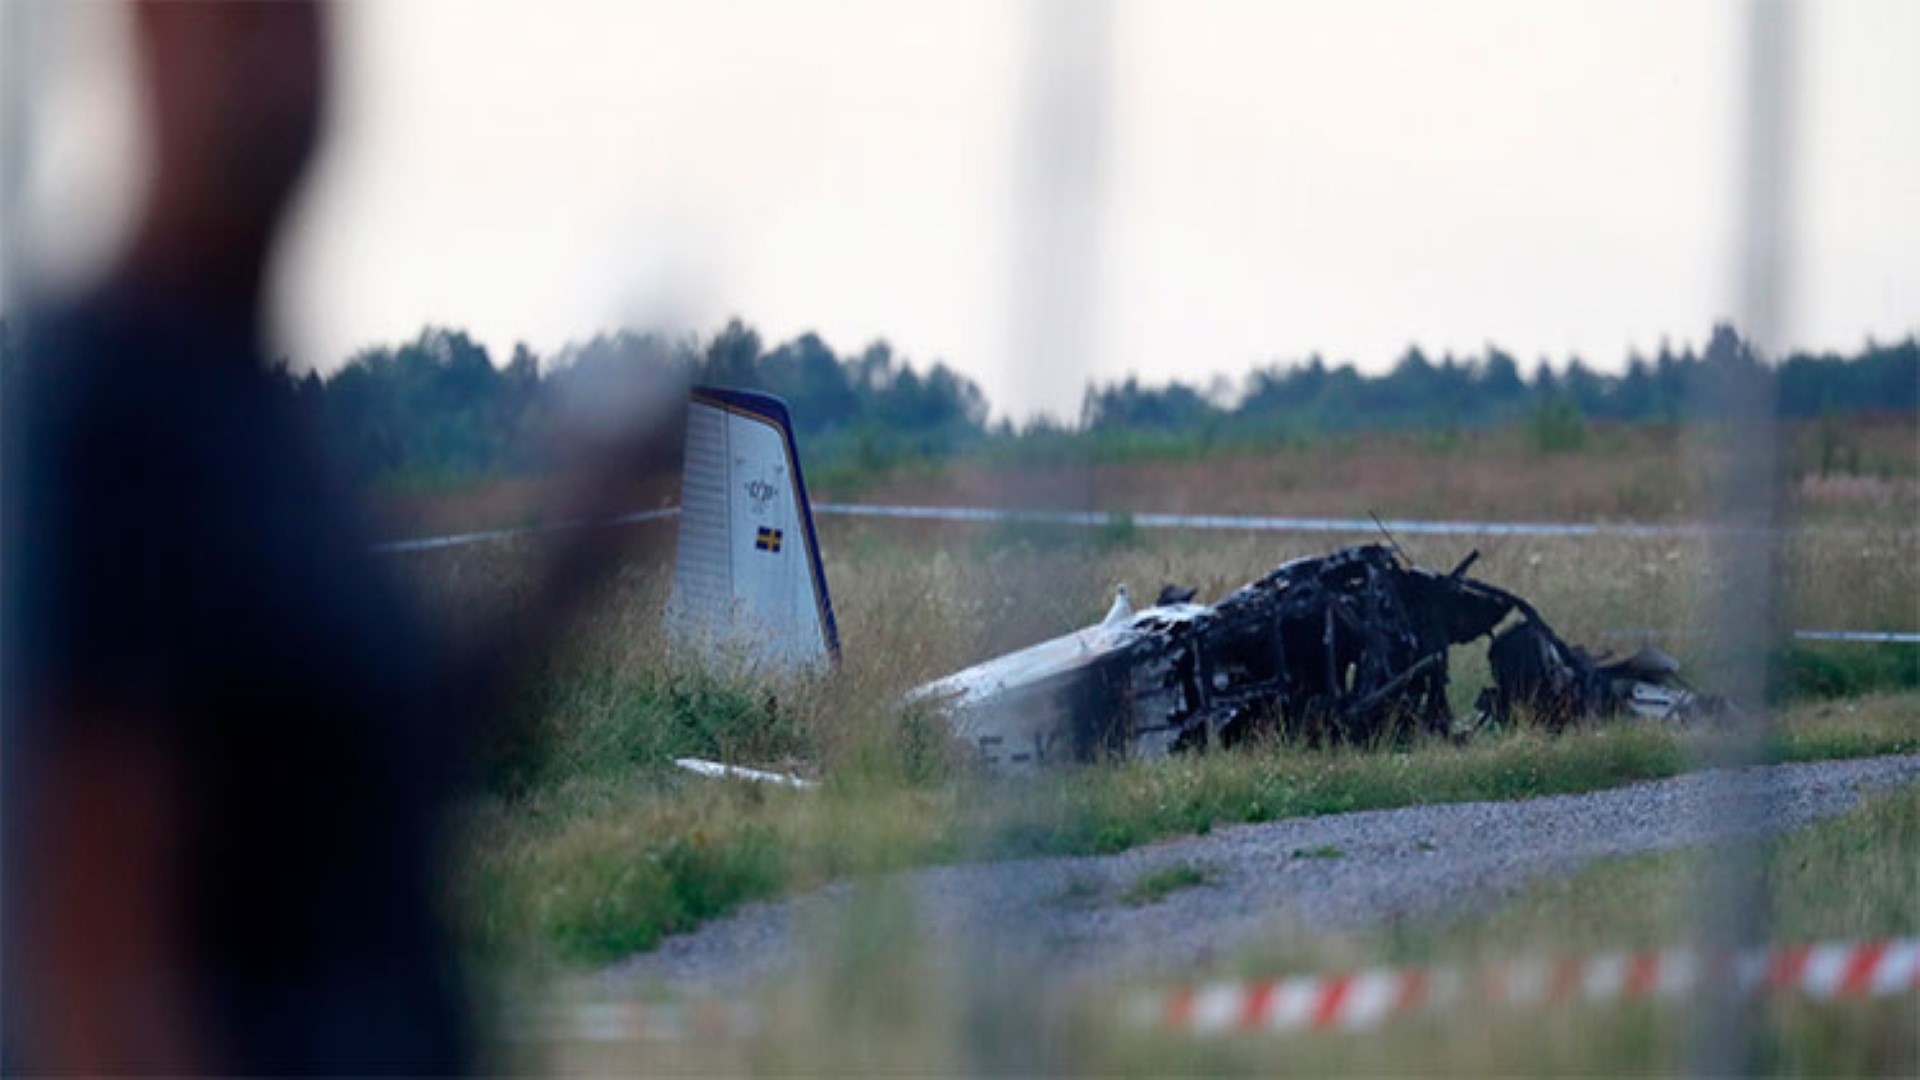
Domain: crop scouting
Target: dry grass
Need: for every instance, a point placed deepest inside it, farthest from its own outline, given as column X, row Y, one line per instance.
column 589, row 846
column 1864, row 470
column 886, row 1000
column 599, row 866
column 985, row 589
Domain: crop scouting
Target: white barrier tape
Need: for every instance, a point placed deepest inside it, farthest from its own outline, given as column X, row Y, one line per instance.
column 1884, row 637
column 435, row 543
column 1856, row 637
column 1097, row 519
column 1254, row 523
column 1144, row 520
column 1363, row 1000
column 1104, row 519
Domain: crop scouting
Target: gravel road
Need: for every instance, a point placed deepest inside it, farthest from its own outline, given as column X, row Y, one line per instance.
column 1419, row 861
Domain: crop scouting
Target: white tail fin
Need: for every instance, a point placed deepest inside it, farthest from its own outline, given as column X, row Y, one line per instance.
column 747, row 580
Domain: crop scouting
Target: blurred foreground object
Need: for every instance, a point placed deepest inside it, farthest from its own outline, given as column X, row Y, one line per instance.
column 227, row 741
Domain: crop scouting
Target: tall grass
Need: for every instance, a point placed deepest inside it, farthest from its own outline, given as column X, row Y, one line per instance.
column 1554, row 466
column 581, row 842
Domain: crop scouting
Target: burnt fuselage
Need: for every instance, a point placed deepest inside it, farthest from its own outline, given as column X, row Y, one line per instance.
column 1346, row 647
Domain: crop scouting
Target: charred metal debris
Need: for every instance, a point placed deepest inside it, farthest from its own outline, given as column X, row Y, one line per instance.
column 1350, row 647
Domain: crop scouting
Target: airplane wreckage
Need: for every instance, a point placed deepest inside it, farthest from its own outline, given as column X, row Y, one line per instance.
column 1349, row 646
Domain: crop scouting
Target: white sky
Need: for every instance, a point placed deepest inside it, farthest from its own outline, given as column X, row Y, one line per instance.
column 1270, row 179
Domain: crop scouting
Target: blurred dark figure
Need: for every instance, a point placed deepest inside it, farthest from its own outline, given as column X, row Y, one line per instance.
column 225, row 740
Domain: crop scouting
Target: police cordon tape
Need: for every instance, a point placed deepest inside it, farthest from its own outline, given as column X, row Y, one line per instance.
column 1843, row 637
column 1254, row 523
column 453, row 540
column 1121, row 518
column 1363, row 1000
column 1107, row 519
column 1092, row 518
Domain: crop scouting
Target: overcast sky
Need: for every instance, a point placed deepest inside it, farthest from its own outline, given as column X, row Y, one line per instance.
column 1036, row 194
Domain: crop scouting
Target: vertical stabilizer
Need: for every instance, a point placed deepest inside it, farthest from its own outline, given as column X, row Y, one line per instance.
column 747, row 580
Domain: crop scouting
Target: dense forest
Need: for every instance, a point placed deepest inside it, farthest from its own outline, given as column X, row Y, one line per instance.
column 441, row 408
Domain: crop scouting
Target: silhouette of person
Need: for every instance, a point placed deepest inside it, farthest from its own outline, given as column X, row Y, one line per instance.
column 227, row 740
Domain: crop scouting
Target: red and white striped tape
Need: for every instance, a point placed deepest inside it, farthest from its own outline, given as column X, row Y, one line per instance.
column 1359, row 1000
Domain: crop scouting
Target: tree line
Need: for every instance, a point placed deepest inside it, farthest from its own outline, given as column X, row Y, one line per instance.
column 440, row 406
column 1490, row 389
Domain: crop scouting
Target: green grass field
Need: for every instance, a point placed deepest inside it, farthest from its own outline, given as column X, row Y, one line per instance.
column 584, row 844
column 578, row 843
column 887, row 1001
column 593, row 870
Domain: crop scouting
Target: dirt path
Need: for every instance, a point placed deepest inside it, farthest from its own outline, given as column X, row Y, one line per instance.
column 1341, row 872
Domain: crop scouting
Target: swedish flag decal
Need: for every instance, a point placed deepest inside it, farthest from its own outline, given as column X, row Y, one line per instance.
column 768, row 540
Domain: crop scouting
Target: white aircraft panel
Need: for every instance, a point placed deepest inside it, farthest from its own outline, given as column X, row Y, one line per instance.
column 747, row 578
